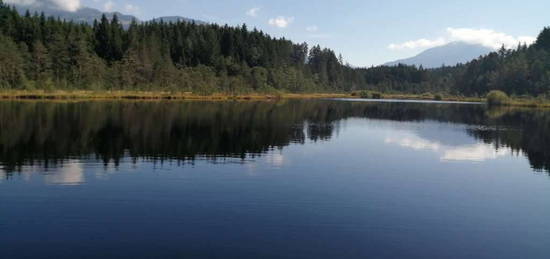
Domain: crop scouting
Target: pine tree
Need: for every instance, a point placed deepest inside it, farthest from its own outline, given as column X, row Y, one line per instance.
column 543, row 40
column 102, row 39
column 115, row 39
column 11, row 65
column 41, row 62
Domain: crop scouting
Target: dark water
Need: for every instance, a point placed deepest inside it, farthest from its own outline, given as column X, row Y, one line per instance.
column 295, row 179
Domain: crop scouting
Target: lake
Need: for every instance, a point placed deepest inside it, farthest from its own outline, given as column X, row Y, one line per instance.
column 288, row 179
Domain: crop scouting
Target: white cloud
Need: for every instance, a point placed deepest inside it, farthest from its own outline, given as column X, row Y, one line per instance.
column 315, row 34
column 109, row 6
column 418, row 44
column 20, row 2
column 253, row 12
column 132, row 9
column 67, row 5
column 281, row 21
column 486, row 37
column 312, row 28
column 320, row 36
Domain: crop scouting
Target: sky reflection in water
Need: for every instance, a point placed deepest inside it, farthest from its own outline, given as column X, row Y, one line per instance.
column 297, row 179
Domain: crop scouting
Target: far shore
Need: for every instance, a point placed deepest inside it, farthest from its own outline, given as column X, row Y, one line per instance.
column 58, row 95
column 154, row 95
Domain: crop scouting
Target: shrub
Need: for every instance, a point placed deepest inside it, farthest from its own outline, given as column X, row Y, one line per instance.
column 364, row 94
column 438, row 97
column 497, row 98
column 376, row 95
column 370, row 95
column 427, row 95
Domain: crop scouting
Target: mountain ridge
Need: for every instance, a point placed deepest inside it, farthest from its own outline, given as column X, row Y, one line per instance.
column 451, row 54
column 89, row 15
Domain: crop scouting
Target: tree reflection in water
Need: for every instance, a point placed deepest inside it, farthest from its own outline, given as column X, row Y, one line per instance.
column 51, row 134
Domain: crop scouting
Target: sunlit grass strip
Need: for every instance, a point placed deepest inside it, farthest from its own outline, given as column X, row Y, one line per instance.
column 431, row 97
column 528, row 102
column 166, row 95
column 145, row 95
column 434, row 97
column 512, row 101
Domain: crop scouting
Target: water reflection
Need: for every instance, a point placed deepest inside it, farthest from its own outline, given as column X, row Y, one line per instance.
column 295, row 179
column 479, row 153
column 473, row 152
column 276, row 160
column 51, row 135
column 415, row 143
column 71, row 173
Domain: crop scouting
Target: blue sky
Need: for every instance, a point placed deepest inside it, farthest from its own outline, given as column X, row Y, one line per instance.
column 366, row 32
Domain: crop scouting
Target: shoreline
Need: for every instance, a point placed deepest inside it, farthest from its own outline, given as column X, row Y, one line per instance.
column 153, row 95
column 60, row 95
column 512, row 102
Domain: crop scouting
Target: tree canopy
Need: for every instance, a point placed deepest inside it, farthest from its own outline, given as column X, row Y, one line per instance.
column 39, row 52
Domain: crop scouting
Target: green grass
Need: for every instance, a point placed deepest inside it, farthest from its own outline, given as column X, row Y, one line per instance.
column 152, row 95
column 492, row 99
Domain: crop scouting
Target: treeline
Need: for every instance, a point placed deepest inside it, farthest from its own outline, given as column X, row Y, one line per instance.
column 524, row 71
column 38, row 52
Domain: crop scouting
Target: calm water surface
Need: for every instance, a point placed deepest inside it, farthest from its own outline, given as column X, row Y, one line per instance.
column 293, row 179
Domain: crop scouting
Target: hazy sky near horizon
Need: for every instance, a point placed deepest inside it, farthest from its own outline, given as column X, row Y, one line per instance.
column 366, row 32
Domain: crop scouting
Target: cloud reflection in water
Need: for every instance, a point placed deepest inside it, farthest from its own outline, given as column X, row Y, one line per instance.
column 473, row 152
column 70, row 174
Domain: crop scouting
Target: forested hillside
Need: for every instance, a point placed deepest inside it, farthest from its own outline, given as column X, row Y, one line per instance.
column 43, row 53
column 523, row 71
column 38, row 52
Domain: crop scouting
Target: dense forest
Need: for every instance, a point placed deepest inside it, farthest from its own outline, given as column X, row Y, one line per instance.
column 38, row 52
column 524, row 71
column 45, row 53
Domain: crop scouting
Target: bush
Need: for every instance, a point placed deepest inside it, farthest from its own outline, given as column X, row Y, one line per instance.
column 427, row 95
column 376, row 95
column 438, row 97
column 370, row 95
column 497, row 98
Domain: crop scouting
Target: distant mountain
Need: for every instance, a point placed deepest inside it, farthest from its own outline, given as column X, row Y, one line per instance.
column 82, row 15
column 449, row 55
column 175, row 19
column 89, row 15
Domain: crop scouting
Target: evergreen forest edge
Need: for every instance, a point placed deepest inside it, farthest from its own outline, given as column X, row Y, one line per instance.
column 45, row 53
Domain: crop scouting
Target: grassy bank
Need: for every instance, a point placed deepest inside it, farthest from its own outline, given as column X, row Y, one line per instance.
column 428, row 97
column 511, row 101
column 528, row 102
column 514, row 101
column 499, row 98
column 152, row 95
column 159, row 95
column 425, row 96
